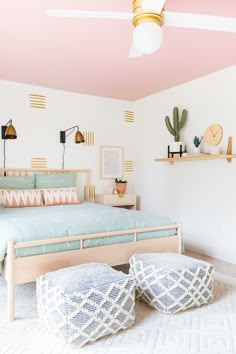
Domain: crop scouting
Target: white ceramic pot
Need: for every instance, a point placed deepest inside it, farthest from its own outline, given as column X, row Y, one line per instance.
column 197, row 150
column 175, row 147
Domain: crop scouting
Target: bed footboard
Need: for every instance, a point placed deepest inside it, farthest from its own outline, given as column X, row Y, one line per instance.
column 27, row 269
column 9, row 275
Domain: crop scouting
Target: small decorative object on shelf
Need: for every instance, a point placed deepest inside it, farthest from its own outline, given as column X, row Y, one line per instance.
column 178, row 124
column 213, row 136
column 182, row 151
column 197, row 142
column 228, row 156
column 120, row 185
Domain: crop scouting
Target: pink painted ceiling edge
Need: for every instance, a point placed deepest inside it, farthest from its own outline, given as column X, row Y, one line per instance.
column 90, row 56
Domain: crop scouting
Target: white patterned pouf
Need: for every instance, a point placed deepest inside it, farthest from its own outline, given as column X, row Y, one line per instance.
column 83, row 303
column 172, row 282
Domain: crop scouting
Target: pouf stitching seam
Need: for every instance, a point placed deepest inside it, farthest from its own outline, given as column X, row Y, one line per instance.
column 129, row 277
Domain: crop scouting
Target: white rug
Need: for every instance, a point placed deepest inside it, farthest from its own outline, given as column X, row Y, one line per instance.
column 207, row 330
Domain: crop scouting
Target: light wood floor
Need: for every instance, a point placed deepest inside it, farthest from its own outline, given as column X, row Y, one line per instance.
column 220, row 266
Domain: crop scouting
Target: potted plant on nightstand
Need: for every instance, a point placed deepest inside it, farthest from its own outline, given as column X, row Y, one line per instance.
column 120, row 185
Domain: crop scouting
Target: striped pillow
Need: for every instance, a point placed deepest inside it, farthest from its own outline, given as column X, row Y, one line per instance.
column 22, row 198
column 60, row 196
column 1, row 197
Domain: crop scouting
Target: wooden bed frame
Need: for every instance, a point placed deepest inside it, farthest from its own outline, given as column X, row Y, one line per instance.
column 27, row 269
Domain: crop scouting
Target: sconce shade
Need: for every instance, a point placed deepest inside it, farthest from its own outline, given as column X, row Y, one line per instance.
column 79, row 138
column 10, row 132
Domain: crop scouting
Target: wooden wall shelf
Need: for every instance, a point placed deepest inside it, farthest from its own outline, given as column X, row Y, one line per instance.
column 171, row 160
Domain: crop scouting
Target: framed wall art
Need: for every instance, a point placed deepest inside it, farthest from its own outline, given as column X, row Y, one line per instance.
column 111, row 161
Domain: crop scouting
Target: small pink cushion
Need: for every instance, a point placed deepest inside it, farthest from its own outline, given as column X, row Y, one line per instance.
column 22, row 198
column 60, row 196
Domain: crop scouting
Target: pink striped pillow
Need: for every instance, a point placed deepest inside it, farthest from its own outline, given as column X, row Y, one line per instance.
column 22, row 198
column 60, row 196
column 1, row 197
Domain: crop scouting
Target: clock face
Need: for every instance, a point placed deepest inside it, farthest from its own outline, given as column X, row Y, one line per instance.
column 213, row 134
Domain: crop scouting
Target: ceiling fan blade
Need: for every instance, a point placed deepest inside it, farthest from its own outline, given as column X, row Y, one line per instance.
column 134, row 52
column 91, row 14
column 205, row 22
column 156, row 5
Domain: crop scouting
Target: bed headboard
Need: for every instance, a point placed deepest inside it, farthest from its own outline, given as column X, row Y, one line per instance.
column 88, row 189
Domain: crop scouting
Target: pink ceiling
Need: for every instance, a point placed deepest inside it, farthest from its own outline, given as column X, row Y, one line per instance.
column 91, row 56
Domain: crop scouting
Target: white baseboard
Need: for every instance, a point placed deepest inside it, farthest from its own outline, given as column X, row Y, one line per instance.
column 211, row 251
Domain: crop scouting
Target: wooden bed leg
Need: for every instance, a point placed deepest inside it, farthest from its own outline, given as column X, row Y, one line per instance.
column 10, row 281
column 179, row 234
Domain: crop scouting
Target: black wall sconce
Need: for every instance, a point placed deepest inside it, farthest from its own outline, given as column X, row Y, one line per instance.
column 79, row 138
column 8, row 132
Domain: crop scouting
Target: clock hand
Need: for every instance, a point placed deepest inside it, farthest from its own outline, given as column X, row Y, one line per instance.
column 211, row 132
column 216, row 133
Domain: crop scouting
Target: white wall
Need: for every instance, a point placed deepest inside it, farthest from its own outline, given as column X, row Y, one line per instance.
column 38, row 129
column 200, row 194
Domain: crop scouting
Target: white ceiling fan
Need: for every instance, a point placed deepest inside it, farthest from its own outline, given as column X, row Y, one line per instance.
column 148, row 16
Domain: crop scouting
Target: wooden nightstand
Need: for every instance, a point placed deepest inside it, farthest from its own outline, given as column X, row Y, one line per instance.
column 117, row 200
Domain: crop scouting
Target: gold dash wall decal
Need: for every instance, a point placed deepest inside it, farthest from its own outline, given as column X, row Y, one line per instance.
column 37, row 101
column 39, row 162
column 89, row 138
column 129, row 117
column 129, row 166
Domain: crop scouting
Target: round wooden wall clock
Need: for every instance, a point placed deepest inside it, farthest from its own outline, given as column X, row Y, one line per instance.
column 213, row 134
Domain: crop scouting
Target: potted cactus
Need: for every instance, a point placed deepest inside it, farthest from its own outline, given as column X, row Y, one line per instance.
column 178, row 124
column 120, row 186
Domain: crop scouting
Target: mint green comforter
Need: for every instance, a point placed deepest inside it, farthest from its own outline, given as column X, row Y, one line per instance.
column 26, row 224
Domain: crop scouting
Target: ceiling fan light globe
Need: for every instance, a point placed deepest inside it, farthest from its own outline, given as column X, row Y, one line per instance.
column 148, row 37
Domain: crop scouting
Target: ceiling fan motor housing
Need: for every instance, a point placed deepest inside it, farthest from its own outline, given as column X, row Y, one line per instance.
column 146, row 15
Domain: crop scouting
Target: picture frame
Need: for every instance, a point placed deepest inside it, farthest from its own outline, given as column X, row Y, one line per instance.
column 111, row 161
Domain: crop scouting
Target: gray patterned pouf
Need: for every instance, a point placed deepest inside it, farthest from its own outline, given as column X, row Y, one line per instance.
column 172, row 282
column 83, row 303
